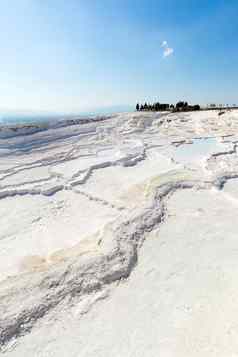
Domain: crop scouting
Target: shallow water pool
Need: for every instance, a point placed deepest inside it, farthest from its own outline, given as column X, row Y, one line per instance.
column 198, row 150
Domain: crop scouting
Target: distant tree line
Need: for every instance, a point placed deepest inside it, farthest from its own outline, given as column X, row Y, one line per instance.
column 157, row 107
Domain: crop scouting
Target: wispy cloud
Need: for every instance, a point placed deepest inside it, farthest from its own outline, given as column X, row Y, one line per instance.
column 167, row 51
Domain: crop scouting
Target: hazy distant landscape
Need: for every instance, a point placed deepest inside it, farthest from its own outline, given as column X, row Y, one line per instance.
column 23, row 117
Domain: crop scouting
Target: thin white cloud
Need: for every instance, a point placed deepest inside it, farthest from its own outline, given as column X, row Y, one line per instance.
column 167, row 51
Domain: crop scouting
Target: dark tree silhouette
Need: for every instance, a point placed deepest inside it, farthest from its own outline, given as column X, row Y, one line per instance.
column 180, row 106
column 196, row 107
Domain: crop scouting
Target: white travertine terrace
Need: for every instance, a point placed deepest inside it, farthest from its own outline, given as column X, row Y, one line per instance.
column 118, row 236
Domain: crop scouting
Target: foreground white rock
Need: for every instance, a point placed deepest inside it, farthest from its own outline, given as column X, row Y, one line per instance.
column 78, row 201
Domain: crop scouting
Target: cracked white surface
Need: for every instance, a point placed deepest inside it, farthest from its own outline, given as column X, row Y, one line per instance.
column 77, row 202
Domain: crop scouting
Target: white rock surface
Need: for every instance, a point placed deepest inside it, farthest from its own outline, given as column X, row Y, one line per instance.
column 119, row 238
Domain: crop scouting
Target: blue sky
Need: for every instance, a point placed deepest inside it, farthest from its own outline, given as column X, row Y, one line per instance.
column 77, row 55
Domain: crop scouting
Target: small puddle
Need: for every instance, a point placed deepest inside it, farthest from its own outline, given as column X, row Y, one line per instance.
column 198, row 150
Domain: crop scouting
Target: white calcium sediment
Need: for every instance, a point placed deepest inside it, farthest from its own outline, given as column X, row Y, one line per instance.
column 78, row 201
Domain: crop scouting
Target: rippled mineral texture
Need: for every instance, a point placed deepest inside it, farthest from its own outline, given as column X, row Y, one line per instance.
column 119, row 236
